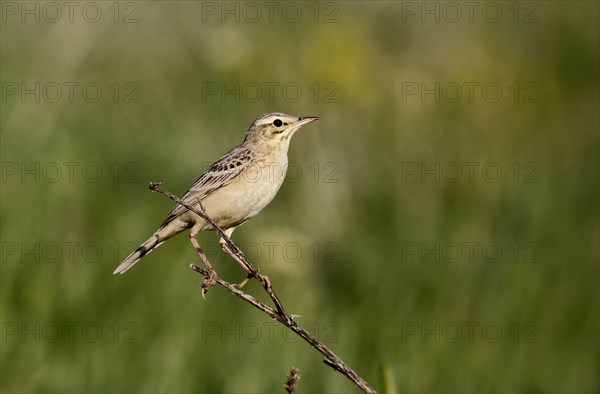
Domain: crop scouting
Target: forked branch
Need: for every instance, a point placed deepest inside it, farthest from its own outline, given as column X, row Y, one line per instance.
column 278, row 313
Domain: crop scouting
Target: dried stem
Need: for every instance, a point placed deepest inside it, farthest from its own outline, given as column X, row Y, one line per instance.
column 279, row 313
column 292, row 380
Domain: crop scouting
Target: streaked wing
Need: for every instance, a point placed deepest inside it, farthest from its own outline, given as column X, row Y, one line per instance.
column 219, row 174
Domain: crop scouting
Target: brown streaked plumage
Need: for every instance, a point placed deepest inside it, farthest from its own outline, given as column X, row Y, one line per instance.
column 236, row 187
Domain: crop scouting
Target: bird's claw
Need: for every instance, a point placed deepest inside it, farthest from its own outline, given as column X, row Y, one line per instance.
column 209, row 281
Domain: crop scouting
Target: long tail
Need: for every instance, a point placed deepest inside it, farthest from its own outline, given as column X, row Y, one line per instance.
column 152, row 243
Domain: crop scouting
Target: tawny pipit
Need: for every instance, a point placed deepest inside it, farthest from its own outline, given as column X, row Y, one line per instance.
column 235, row 188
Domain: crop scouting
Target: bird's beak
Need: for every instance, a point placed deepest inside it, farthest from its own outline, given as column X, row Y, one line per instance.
column 306, row 120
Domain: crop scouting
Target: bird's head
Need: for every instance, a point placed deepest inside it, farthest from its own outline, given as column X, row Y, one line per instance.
column 275, row 128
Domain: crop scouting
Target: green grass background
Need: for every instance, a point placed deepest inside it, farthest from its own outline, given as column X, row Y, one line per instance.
column 359, row 293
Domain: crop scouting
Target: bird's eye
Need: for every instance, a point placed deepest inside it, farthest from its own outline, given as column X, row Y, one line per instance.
column 277, row 122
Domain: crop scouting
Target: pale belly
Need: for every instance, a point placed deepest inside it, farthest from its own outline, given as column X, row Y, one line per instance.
column 245, row 197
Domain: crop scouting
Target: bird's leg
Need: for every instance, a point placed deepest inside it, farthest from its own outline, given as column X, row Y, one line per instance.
column 237, row 260
column 211, row 280
column 243, row 283
column 226, row 249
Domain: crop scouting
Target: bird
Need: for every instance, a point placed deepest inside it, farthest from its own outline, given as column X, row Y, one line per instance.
column 235, row 188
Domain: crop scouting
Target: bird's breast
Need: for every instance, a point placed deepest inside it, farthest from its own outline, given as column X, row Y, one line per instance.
column 252, row 190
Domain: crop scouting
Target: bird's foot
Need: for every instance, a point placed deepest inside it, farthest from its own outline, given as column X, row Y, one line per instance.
column 243, row 283
column 209, row 281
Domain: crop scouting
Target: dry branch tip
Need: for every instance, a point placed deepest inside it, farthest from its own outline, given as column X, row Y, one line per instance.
column 292, row 380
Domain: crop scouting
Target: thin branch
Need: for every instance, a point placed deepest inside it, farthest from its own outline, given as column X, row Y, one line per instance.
column 279, row 314
column 252, row 271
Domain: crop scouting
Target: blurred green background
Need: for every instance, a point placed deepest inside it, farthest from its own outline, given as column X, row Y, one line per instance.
column 438, row 230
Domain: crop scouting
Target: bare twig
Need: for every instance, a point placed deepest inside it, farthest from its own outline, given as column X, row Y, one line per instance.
column 262, row 279
column 292, row 380
column 279, row 313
